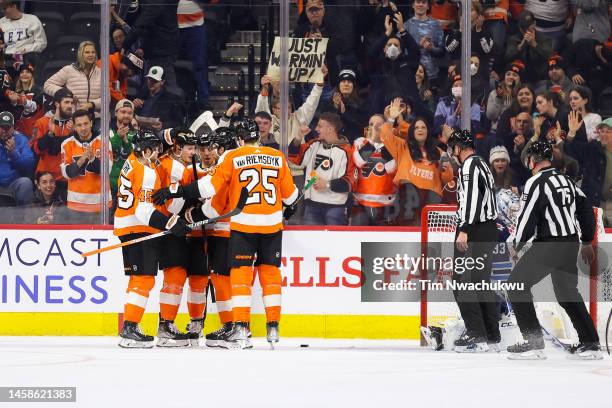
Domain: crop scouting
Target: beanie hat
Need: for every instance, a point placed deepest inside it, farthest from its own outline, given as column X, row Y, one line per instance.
column 347, row 74
column 516, row 66
column 498, row 152
column 555, row 61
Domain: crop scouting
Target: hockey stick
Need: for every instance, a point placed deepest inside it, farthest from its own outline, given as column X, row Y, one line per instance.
column 607, row 327
column 555, row 340
column 239, row 207
column 204, row 118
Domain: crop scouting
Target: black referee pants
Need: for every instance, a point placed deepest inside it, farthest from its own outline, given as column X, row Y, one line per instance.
column 556, row 257
column 478, row 308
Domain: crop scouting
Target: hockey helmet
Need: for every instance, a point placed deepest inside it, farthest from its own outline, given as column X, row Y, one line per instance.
column 247, row 130
column 225, row 137
column 144, row 139
column 540, row 150
column 182, row 137
column 205, row 139
column 461, row 138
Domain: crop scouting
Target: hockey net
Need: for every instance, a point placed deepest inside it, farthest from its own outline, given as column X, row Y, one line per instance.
column 437, row 238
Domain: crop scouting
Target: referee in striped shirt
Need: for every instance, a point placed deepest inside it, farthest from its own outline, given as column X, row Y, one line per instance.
column 476, row 237
column 555, row 212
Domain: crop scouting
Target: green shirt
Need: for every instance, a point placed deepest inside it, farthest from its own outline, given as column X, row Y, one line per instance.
column 121, row 151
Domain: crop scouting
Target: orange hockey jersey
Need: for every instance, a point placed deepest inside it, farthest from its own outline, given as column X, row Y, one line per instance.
column 265, row 174
column 172, row 171
column 375, row 187
column 497, row 12
column 136, row 184
column 446, row 13
column 85, row 183
column 215, row 206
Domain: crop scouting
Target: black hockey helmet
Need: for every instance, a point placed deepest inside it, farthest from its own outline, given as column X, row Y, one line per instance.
column 144, row 139
column 247, row 130
column 225, row 137
column 461, row 138
column 205, row 139
column 182, row 137
column 539, row 150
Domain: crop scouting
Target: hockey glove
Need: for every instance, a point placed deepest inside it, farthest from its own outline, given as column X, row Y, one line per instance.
column 164, row 194
column 289, row 211
column 178, row 226
column 194, row 214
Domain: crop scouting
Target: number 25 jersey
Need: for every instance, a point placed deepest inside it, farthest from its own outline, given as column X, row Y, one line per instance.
column 265, row 174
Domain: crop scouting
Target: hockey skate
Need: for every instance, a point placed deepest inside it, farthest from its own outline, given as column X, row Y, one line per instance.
column 585, row 351
column 272, row 333
column 433, row 337
column 169, row 336
column 218, row 338
column 194, row 330
column 131, row 336
column 238, row 338
column 532, row 349
column 471, row 344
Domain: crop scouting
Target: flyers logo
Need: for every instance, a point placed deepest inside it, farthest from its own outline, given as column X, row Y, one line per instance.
column 324, row 162
column 376, row 167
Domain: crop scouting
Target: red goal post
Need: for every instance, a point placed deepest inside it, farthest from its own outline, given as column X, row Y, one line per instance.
column 438, row 224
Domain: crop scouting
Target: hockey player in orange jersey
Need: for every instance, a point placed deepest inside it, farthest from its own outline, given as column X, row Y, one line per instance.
column 256, row 231
column 135, row 217
column 176, row 257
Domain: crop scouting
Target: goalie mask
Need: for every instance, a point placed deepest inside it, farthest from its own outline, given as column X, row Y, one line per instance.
column 247, row 130
column 508, row 206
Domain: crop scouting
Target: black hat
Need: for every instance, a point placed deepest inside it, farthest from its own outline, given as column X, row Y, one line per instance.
column 347, row 74
column 7, row 119
column 24, row 67
column 556, row 61
column 461, row 138
column 540, row 150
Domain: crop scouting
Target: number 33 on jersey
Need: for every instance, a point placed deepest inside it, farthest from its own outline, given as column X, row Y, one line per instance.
column 265, row 174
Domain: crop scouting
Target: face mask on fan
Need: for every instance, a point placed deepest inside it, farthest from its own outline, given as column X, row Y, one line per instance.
column 392, row 52
column 456, row 91
column 473, row 69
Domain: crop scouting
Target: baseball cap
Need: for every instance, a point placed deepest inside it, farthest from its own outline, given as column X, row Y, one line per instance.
column 156, row 73
column 124, row 103
column 605, row 123
column 6, row 119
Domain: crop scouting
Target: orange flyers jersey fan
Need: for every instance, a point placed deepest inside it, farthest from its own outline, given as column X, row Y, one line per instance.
column 83, row 188
column 136, row 185
column 172, row 171
column 375, row 187
column 265, row 174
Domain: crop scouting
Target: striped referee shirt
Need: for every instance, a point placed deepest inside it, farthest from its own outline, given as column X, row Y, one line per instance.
column 475, row 193
column 553, row 206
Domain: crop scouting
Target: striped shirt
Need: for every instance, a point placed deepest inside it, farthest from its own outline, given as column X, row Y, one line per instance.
column 475, row 193
column 553, row 206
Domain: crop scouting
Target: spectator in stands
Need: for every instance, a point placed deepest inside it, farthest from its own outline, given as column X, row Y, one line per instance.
column 557, row 82
column 445, row 12
column 483, row 44
column 82, row 78
column 28, row 100
column 428, row 34
column 47, row 207
column 330, row 156
column 347, row 103
column 589, row 63
column 49, row 132
column 499, row 161
column 118, row 35
column 23, row 34
column 16, row 161
column 529, row 46
column 264, row 124
column 448, row 110
column 605, row 136
column 502, row 96
column 157, row 29
column 553, row 18
column 515, row 141
column 550, row 111
column 335, row 23
column 421, row 171
column 121, row 67
column 375, row 192
column 580, row 102
column 496, row 19
column 524, row 101
column 399, row 57
column 157, row 107
column 592, row 21
column 122, row 133
column 194, row 45
column 424, row 89
column 81, row 166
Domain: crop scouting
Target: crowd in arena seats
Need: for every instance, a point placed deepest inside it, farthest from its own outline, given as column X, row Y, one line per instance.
column 374, row 130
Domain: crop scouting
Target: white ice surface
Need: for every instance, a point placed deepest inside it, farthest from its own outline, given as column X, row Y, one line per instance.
column 328, row 373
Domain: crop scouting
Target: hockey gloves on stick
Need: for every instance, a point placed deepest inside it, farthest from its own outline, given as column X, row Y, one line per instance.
column 164, row 194
column 194, row 214
column 178, row 226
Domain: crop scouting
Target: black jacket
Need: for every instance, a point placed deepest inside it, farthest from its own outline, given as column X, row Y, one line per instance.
column 168, row 107
column 157, row 29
